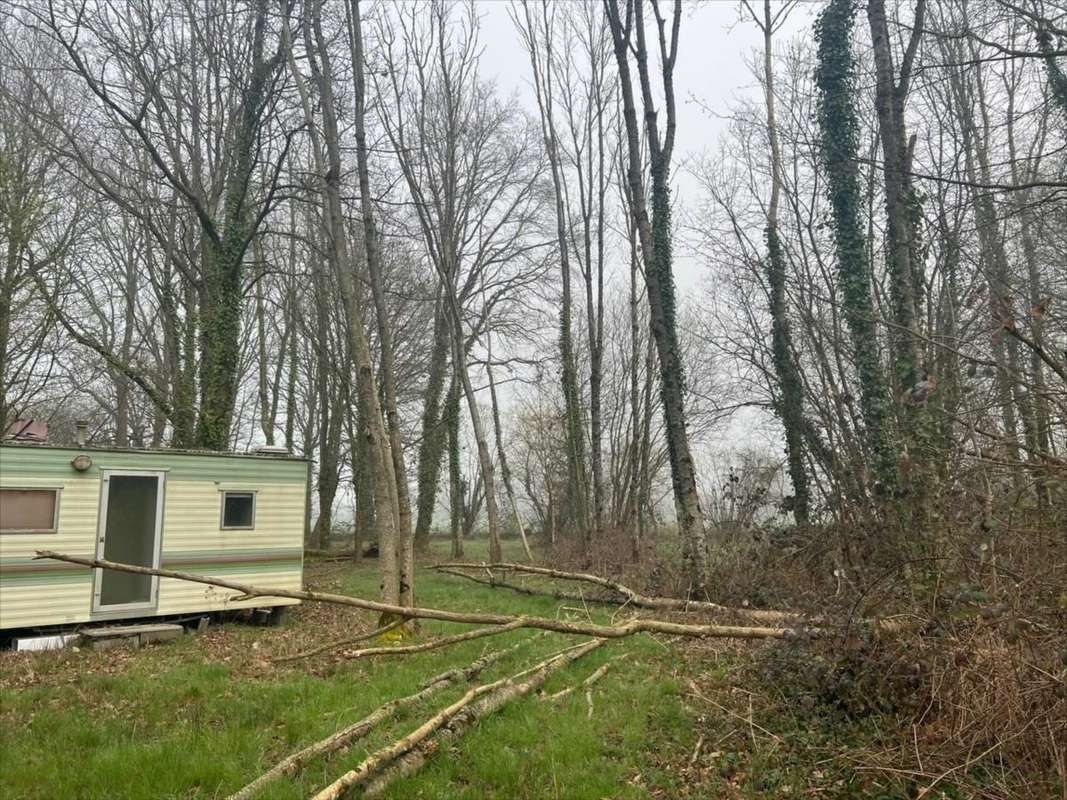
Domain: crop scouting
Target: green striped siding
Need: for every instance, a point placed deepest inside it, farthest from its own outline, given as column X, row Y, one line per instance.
column 54, row 462
column 79, row 575
column 44, row 592
column 208, row 561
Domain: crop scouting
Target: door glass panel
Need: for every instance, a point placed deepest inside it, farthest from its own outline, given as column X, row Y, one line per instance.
column 129, row 537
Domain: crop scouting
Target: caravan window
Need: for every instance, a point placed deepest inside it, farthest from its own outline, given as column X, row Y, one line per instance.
column 28, row 510
column 238, row 510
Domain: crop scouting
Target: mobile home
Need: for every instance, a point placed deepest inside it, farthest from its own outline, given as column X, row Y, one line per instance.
column 237, row 517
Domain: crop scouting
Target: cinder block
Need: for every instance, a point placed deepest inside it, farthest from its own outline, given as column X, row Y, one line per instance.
column 116, row 643
column 163, row 633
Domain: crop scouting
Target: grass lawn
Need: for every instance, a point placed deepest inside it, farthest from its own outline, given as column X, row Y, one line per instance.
column 201, row 716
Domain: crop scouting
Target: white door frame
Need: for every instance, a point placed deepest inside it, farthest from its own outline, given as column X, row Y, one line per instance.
column 124, row 609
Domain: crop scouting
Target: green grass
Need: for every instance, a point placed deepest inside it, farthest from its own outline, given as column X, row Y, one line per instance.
column 176, row 721
column 202, row 716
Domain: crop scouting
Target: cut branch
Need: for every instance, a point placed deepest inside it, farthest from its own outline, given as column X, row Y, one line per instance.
column 476, row 618
column 588, row 682
column 344, row 643
column 434, row 644
column 346, row 736
column 413, row 757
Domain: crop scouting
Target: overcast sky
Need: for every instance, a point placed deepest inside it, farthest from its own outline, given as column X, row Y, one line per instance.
column 718, row 41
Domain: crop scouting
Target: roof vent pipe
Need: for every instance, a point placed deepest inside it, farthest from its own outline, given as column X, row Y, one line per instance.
column 82, row 434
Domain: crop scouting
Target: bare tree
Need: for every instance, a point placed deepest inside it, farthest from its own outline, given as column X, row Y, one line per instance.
column 628, row 32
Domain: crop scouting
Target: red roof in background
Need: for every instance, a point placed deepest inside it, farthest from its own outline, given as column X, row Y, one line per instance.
column 32, row 430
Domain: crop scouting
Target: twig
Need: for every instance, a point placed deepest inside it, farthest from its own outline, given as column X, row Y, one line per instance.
column 433, row 644
column 696, row 750
column 588, row 682
column 747, row 720
column 344, row 643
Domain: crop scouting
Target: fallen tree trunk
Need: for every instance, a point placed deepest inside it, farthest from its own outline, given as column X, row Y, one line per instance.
column 627, row 595
column 346, row 736
column 407, row 755
column 555, row 594
column 474, row 618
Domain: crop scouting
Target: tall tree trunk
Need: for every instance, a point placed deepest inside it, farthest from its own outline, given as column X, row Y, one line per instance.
column 574, row 436
column 838, row 142
column 372, row 245
column 505, row 471
column 292, row 326
column 906, row 279
column 485, row 458
column 330, row 415
column 129, row 320
column 266, row 415
column 185, row 377
column 455, row 488
column 434, row 428
column 383, row 475
column 993, row 263
column 363, row 481
column 636, row 511
column 790, row 404
column 655, row 238
column 223, row 277
column 948, row 360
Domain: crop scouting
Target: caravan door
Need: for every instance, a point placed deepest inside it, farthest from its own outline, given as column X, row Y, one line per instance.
column 130, row 531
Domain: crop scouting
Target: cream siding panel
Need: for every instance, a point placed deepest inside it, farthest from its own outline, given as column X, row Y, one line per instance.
column 79, row 509
column 192, row 518
column 25, row 604
column 52, row 599
column 182, row 597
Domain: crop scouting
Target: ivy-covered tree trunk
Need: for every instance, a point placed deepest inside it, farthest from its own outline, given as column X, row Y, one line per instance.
column 222, row 289
column 455, row 478
column 1057, row 80
column 903, row 259
column 220, row 322
column 838, row 129
column 434, row 430
column 574, row 436
column 790, row 401
column 655, row 238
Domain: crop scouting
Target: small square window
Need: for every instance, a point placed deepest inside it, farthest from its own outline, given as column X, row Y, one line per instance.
column 238, row 510
column 28, row 510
